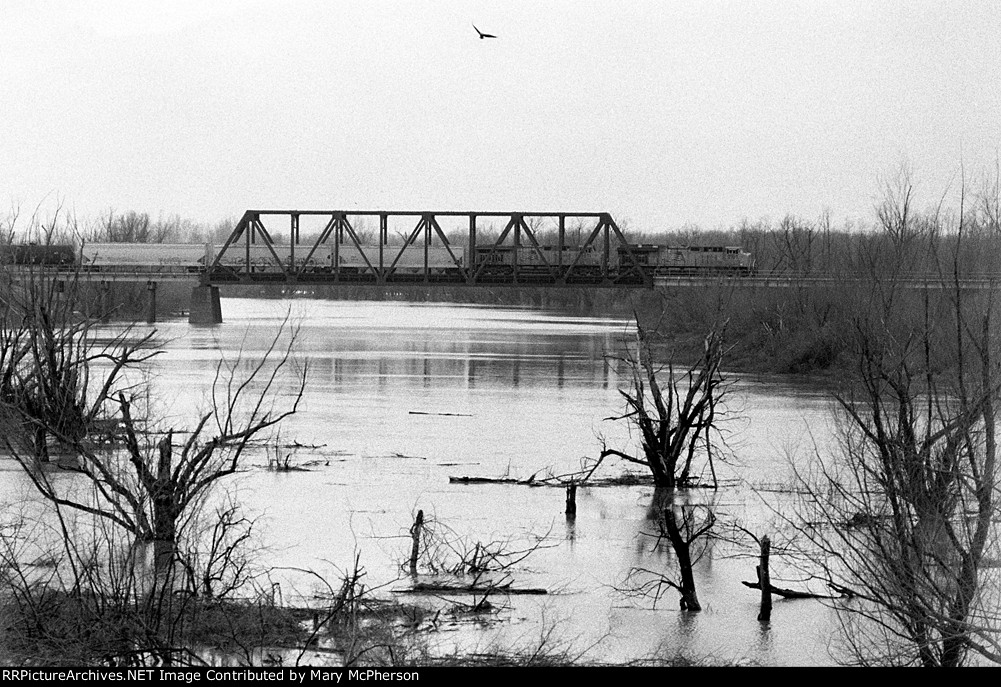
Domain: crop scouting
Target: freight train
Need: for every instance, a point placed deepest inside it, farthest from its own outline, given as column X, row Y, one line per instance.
column 490, row 262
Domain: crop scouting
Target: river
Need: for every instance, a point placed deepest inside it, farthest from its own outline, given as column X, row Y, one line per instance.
column 402, row 396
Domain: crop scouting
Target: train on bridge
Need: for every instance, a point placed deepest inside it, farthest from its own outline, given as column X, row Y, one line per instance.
column 347, row 260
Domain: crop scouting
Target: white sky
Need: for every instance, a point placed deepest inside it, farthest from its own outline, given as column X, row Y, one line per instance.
column 659, row 112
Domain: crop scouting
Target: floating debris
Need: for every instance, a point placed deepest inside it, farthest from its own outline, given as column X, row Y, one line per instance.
column 441, row 588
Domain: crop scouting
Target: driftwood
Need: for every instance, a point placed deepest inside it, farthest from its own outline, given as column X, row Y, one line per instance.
column 627, row 480
column 421, row 412
column 436, row 588
column 787, row 593
column 491, row 480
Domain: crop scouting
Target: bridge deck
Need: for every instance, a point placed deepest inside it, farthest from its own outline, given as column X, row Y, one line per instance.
column 161, row 273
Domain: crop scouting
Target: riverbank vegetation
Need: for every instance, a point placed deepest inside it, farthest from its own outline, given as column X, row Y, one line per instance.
column 130, row 558
column 908, row 508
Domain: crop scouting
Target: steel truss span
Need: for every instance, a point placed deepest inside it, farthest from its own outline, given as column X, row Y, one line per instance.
column 423, row 247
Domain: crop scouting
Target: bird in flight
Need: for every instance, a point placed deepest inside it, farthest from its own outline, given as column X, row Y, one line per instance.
column 483, row 35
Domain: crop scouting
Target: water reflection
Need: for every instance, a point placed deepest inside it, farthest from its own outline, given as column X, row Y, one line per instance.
column 764, row 644
column 429, row 368
column 400, row 398
column 570, row 533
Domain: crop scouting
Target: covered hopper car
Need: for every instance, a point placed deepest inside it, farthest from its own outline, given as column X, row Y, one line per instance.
column 492, row 263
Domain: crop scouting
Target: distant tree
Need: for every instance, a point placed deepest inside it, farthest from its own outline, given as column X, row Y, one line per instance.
column 989, row 203
column 137, row 227
column 54, row 227
column 796, row 245
column 895, row 210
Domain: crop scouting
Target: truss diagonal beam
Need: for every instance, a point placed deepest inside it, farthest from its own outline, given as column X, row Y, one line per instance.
column 357, row 243
column 319, row 242
column 410, row 240
column 234, row 236
column 583, row 248
column 493, row 249
column 445, row 243
column 538, row 249
column 270, row 244
column 508, row 259
column 634, row 263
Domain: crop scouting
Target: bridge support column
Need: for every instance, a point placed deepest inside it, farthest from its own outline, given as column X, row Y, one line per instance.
column 104, row 301
column 151, row 305
column 205, row 306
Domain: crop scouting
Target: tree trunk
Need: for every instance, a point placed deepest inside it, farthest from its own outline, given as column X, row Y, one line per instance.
column 165, row 512
column 662, row 469
column 164, row 536
column 571, row 509
column 415, row 532
column 689, row 599
column 764, row 579
column 41, row 446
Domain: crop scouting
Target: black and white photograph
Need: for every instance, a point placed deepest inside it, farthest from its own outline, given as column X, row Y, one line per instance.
column 388, row 341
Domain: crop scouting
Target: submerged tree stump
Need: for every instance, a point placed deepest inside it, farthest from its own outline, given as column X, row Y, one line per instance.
column 571, row 509
column 415, row 532
column 764, row 579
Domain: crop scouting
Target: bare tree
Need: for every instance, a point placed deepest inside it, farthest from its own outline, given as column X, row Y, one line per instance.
column 137, row 227
column 47, row 354
column 989, row 202
column 905, row 518
column 795, row 244
column 687, row 526
column 895, row 210
column 55, row 227
column 674, row 411
column 142, row 482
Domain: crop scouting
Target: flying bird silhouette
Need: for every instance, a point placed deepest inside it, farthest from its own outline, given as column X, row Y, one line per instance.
column 483, row 35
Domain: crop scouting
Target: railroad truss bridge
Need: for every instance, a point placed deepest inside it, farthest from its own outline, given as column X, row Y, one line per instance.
column 537, row 249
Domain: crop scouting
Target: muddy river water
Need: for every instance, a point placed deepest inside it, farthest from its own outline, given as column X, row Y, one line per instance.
column 400, row 397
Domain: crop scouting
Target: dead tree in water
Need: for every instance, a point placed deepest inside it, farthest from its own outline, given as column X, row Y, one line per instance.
column 58, row 379
column 415, row 532
column 149, row 485
column 674, row 411
column 688, row 527
column 683, row 527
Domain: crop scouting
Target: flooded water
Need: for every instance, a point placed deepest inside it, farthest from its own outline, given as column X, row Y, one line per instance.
column 401, row 397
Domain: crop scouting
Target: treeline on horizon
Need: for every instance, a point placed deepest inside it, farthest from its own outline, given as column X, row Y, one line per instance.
column 796, row 329
column 968, row 231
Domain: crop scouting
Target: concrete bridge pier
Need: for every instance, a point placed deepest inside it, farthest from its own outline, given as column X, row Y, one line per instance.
column 104, row 301
column 151, row 304
column 205, row 306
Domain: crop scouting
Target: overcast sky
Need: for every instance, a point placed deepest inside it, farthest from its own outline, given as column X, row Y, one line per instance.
column 662, row 113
